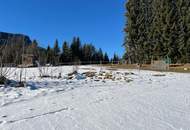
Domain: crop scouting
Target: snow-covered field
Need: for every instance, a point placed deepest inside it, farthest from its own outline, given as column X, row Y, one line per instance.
column 134, row 100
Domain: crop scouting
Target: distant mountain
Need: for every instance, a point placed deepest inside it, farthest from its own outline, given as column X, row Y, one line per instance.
column 14, row 38
column 11, row 47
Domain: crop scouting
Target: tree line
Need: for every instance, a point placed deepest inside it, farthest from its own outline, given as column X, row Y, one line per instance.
column 156, row 29
column 67, row 54
column 75, row 52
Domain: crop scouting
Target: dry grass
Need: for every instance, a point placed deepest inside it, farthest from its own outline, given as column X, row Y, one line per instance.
column 184, row 68
column 173, row 68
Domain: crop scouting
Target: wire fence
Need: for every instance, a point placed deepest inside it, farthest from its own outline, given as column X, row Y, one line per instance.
column 37, row 64
column 90, row 63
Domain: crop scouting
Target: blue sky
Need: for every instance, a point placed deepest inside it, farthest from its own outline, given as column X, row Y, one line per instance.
column 99, row 22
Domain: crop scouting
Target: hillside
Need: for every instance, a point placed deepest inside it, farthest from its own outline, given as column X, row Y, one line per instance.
column 14, row 38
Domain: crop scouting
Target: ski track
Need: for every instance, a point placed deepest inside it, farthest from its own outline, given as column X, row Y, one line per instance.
column 146, row 103
column 36, row 116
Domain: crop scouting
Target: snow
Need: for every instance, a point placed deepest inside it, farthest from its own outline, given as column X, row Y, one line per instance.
column 147, row 102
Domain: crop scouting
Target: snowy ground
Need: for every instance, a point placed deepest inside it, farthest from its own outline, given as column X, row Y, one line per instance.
column 147, row 102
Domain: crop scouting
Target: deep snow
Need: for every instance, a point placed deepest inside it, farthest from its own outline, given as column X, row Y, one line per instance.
column 147, row 103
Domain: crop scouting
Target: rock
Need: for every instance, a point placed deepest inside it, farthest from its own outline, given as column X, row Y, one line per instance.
column 99, row 77
column 76, row 75
column 80, row 76
column 129, row 80
column 108, row 76
column 73, row 73
column 70, row 77
column 119, row 78
column 97, row 80
column 89, row 74
column 129, row 73
column 102, row 73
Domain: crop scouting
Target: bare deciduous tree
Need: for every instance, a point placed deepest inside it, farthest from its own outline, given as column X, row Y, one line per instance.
column 5, row 68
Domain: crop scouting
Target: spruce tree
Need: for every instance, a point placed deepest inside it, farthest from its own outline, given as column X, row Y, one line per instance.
column 187, row 30
column 157, row 29
column 76, row 49
column 87, row 52
column 131, row 29
column 106, row 58
column 181, row 8
column 56, row 52
column 49, row 55
column 66, row 53
column 115, row 59
column 56, row 48
column 100, row 55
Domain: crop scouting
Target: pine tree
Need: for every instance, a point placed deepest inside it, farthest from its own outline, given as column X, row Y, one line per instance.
column 181, row 8
column 87, row 52
column 66, row 53
column 56, row 52
column 115, row 59
column 100, row 55
column 131, row 29
column 56, row 48
column 157, row 29
column 106, row 58
column 49, row 55
column 187, row 29
column 76, row 49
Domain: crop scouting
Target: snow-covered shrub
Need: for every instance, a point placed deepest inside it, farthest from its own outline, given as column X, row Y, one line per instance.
column 44, row 72
column 49, row 72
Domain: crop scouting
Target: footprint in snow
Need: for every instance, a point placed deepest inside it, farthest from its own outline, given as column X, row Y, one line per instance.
column 4, row 116
column 31, row 109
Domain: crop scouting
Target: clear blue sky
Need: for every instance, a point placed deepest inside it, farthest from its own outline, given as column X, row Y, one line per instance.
column 99, row 22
